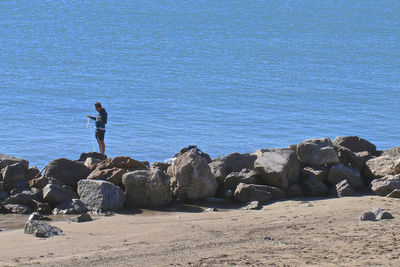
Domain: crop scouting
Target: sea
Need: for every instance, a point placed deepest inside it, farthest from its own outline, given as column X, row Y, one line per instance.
column 228, row 76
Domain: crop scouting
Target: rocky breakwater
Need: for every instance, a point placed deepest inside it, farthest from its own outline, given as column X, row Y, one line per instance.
column 343, row 167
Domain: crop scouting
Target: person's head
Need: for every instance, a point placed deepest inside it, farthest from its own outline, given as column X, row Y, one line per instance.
column 98, row 106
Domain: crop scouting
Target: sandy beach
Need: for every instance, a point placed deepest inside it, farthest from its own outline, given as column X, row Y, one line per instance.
column 326, row 232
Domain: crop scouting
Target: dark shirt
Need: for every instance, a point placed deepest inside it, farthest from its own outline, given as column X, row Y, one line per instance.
column 101, row 123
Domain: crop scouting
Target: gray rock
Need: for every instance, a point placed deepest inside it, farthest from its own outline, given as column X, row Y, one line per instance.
column 368, row 216
column 351, row 159
column 252, row 192
column 319, row 173
column 91, row 163
column 385, row 185
column 161, row 165
column 13, row 175
column 228, row 194
column 41, row 182
column 314, row 187
column 72, row 206
column 317, row 152
column 277, row 167
column 355, row 144
column 344, row 189
column 339, row 172
column 18, row 208
column 234, row 162
column 394, row 194
column 254, row 205
column 23, row 198
column 101, row 195
column 147, row 188
column 55, row 194
column 383, row 165
column 67, row 171
column 38, row 217
column 211, row 210
column 93, row 155
column 41, row 229
column 9, row 160
column 82, row 218
column 376, row 214
column 294, row 191
column 191, row 177
column 3, row 196
column 188, row 148
column 245, row 176
column 396, row 168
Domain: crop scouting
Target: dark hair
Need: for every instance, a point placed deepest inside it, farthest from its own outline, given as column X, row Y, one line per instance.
column 97, row 105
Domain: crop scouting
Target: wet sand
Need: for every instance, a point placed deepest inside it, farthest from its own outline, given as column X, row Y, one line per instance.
column 324, row 232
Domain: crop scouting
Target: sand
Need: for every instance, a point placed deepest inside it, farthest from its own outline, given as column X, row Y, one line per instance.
column 324, row 232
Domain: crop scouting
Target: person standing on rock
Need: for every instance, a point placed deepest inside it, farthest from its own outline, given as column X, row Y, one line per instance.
column 101, row 121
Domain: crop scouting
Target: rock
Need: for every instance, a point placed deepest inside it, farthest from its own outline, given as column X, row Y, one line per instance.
column 161, row 165
column 101, row 195
column 13, row 175
column 121, row 162
column 277, row 167
column 32, row 173
column 9, row 160
column 23, row 198
column 18, row 208
column 376, row 214
column 55, row 194
column 188, row 148
column 368, row 216
column 320, row 173
column 41, row 229
column 191, row 177
column 67, row 171
column 314, row 187
column 254, row 205
column 113, row 175
column 351, row 159
column 41, row 207
column 211, row 210
column 394, row 194
column 72, row 206
column 385, row 185
column 91, row 163
column 38, row 217
column 41, row 182
column 234, row 162
column 344, row 189
column 228, row 194
column 147, row 188
column 383, row 165
column 339, row 172
column 93, row 155
column 355, row 144
column 294, row 191
column 82, row 218
column 252, row 192
column 317, row 152
column 245, row 176
column 3, row 196
column 396, row 169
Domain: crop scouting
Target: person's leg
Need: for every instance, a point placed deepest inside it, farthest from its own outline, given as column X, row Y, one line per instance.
column 102, row 147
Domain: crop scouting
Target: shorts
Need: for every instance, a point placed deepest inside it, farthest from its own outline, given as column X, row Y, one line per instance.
column 100, row 135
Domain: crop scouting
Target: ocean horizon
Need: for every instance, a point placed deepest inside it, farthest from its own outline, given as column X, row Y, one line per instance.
column 226, row 76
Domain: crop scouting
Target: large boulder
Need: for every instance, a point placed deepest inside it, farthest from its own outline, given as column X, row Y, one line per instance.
column 147, row 188
column 383, row 165
column 317, row 152
column 41, row 229
column 191, row 177
column 385, row 185
column 277, row 167
column 93, row 155
column 252, row 192
column 9, row 160
column 121, row 162
column 41, row 182
column 113, row 175
column 344, row 189
column 32, row 173
column 55, row 194
column 67, row 171
column 314, row 187
column 339, row 172
column 100, row 195
column 234, row 162
column 355, row 144
column 355, row 160
column 14, row 175
column 245, row 176
column 23, row 198
column 188, row 148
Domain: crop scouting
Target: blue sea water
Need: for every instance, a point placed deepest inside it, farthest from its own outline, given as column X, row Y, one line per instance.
column 225, row 75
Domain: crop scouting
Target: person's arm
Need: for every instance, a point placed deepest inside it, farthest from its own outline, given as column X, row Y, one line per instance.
column 91, row 117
